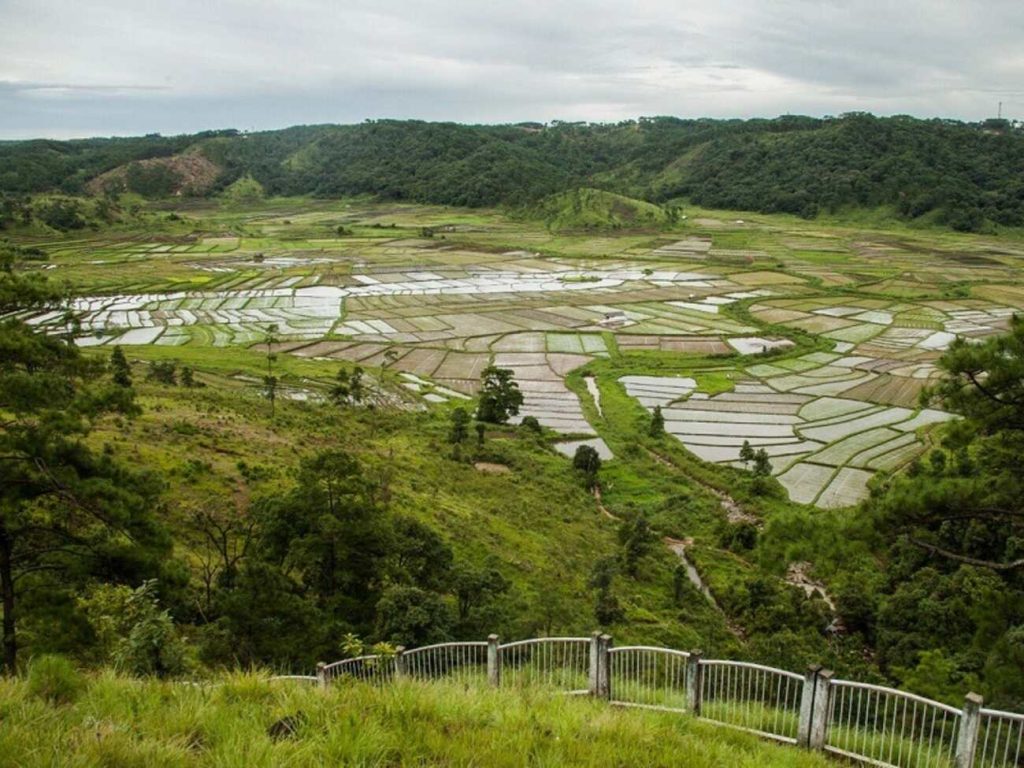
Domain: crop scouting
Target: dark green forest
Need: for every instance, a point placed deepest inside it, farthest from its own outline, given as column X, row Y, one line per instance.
column 967, row 176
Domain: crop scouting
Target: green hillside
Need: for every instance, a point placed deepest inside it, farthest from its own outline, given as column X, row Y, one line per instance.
column 230, row 721
column 961, row 175
column 591, row 209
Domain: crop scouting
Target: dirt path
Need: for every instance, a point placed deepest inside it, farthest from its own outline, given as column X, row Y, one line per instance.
column 601, row 506
column 734, row 513
column 594, row 393
column 678, row 548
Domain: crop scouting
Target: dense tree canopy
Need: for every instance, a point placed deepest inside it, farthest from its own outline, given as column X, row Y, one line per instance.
column 964, row 175
column 952, row 599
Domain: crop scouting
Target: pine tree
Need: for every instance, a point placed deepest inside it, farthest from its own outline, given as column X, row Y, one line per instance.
column 119, row 368
column 588, row 462
column 746, row 453
column 499, row 396
column 657, row 428
column 460, row 426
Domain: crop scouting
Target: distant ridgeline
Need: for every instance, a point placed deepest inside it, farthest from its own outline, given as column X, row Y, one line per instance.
column 963, row 175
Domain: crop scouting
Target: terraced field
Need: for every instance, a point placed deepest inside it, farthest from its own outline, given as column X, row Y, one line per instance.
column 828, row 335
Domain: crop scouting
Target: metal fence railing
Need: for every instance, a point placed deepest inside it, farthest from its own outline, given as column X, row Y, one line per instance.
column 870, row 724
column 368, row 669
column 558, row 662
column 1000, row 740
column 887, row 727
column 752, row 697
column 463, row 661
column 647, row 676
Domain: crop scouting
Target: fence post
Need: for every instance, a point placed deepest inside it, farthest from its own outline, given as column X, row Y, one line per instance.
column 604, row 672
column 493, row 661
column 595, row 650
column 821, row 710
column 399, row 662
column 694, row 682
column 803, row 732
column 321, row 674
column 970, row 724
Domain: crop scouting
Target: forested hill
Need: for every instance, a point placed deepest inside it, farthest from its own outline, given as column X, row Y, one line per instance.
column 959, row 174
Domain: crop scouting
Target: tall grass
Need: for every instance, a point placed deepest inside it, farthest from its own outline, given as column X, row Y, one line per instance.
column 122, row 722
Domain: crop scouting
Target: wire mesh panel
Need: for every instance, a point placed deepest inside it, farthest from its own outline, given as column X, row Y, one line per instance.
column 1000, row 740
column 460, row 661
column 763, row 700
column 559, row 662
column 887, row 727
column 368, row 669
column 646, row 676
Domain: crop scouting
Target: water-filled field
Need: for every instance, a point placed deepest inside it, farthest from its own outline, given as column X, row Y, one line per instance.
column 828, row 336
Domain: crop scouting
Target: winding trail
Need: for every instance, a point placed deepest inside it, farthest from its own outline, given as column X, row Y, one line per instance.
column 678, row 548
column 595, row 393
column 734, row 513
column 601, row 506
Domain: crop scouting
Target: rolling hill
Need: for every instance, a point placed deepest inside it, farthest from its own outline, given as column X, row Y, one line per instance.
column 962, row 175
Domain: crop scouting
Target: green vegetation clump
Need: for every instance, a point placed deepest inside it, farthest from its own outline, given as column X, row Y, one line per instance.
column 594, row 209
column 247, row 720
column 54, row 679
column 244, row 190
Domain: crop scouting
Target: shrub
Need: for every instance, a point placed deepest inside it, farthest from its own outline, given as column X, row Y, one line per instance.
column 531, row 424
column 133, row 632
column 54, row 679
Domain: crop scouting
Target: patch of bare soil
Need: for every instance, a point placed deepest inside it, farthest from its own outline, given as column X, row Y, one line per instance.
column 799, row 575
column 194, row 173
column 491, row 469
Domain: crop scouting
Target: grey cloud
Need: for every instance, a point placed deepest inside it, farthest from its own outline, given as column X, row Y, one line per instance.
column 127, row 66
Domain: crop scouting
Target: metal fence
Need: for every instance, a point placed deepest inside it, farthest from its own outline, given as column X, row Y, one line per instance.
column 647, row 676
column 752, row 697
column 462, row 661
column 887, row 727
column 865, row 723
column 559, row 662
column 1000, row 740
column 368, row 669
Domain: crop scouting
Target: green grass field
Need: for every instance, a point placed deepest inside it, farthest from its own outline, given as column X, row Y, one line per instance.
column 228, row 721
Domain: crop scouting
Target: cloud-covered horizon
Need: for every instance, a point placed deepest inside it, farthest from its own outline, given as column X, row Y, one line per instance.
column 126, row 67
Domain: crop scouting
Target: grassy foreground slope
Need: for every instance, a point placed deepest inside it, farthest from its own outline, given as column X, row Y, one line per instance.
column 113, row 721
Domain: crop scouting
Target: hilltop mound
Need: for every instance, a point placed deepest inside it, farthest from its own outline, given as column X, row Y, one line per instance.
column 189, row 173
column 244, row 720
column 588, row 208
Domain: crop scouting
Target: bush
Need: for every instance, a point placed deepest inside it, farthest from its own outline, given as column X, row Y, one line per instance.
column 531, row 424
column 133, row 633
column 54, row 679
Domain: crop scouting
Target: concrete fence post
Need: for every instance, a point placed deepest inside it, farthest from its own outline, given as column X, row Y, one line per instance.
column 595, row 650
column 821, row 711
column 604, row 670
column 321, row 674
column 493, row 661
column 803, row 732
column 694, row 682
column 970, row 725
column 399, row 662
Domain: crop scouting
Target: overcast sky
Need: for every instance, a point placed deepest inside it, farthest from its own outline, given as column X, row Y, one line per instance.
column 101, row 67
